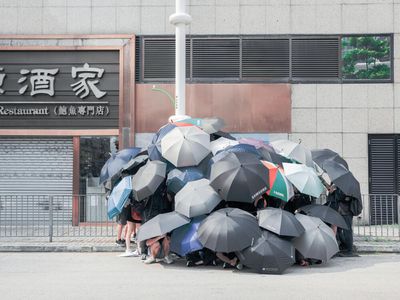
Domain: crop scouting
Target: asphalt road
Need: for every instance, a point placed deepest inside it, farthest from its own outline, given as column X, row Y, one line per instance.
column 106, row 276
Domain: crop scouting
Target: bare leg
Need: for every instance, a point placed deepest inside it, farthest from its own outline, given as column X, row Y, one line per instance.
column 334, row 228
column 155, row 249
column 119, row 231
column 225, row 259
column 165, row 244
column 129, row 230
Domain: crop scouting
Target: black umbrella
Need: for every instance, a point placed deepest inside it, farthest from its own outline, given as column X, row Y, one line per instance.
column 321, row 155
column 318, row 241
column 161, row 224
column 239, row 177
column 134, row 165
column 269, row 254
column 216, row 135
column 229, row 230
column 280, row 222
column 325, row 213
column 273, row 157
column 342, row 178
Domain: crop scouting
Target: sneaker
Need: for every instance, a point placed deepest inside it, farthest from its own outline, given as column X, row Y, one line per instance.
column 136, row 253
column 150, row 260
column 119, row 242
column 190, row 263
column 128, row 253
column 239, row 266
column 143, row 256
column 225, row 265
column 168, row 260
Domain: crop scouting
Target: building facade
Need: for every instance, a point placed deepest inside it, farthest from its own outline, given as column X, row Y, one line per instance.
column 325, row 72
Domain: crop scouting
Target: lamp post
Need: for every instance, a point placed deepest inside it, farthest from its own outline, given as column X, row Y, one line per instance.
column 180, row 19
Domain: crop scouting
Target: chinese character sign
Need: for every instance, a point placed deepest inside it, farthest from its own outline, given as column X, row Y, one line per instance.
column 2, row 77
column 87, row 81
column 41, row 80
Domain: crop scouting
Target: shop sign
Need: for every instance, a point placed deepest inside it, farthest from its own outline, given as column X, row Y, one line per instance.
column 58, row 87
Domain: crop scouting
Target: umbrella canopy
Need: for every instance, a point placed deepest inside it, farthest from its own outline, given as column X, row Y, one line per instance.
column 184, row 239
column 134, row 164
column 273, row 157
column 293, row 150
column 280, row 222
column 177, row 178
column 279, row 186
column 257, row 143
column 269, row 254
column 196, row 198
column 154, row 149
column 209, row 125
column 239, row 177
column 216, row 135
column 115, row 163
column 221, row 144
column 325, row 213
column 119, row 196
column 243, row 148
column 161, row 224
column 185, row 146
column 304, row 179
column 149, row 177
column 228, row 230
column 318, row 241
column 321, row 155
column 343, row 178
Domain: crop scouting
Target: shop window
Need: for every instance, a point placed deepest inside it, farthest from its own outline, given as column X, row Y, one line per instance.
column 366, row 57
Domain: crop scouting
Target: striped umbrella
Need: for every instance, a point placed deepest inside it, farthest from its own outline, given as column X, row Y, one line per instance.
column 280, row 187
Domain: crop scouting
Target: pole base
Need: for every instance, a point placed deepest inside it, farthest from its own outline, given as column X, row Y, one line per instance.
column 175, row 118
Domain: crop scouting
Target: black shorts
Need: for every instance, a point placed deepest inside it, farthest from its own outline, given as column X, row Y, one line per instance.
column 125, row 215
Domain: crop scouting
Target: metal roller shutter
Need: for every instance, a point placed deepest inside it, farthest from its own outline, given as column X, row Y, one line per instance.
column 36, row 166
column 383, row 173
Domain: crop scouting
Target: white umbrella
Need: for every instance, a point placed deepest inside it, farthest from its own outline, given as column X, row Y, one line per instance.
column 185, row 146
column 221, row 144
column 294, row 150
column 196, row 198
column 304, row 179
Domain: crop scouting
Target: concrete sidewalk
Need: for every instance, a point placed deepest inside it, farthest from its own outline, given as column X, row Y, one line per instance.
column 101, row 244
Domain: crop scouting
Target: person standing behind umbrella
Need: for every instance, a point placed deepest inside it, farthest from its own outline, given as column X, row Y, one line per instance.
column 346, row 235
column 335, row 195
column 297, row 201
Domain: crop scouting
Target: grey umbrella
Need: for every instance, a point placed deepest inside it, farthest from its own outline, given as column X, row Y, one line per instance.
column 318, row 241
column 149, row 177
column 321, row 155
column 161, row 224
column 343, row 178
column 185, row 146
column 325, row 213
column 228, row 230
column 280, row 222
column 269, row 254
column 196, row 198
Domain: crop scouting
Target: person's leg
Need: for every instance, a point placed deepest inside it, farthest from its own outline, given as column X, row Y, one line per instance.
column 226, row 259
column 129, row 230
column 119, row 231
column 165, row 245
column 348, row 234
column 334, row 228
column 154, row 250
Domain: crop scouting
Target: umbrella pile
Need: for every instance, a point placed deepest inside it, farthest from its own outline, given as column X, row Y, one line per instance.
column 216, row 181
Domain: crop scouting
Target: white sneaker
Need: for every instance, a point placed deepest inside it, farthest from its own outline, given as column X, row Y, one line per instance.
column 136, row 253
column 150, row 260
column 128, row 253
column 168, row 260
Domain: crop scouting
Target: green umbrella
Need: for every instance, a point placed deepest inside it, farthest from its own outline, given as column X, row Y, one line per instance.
column 280, row 187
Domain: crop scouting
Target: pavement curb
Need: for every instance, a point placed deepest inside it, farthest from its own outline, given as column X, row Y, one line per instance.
column 363, row 247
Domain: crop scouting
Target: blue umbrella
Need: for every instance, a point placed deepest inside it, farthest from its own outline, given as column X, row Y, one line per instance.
column 119, row 196
column 154, row 149
column 242, row 148
column 116, row 162
column 178, row 177
column 184, row 239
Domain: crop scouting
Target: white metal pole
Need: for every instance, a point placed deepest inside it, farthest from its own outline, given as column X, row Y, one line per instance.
column 180, row 19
